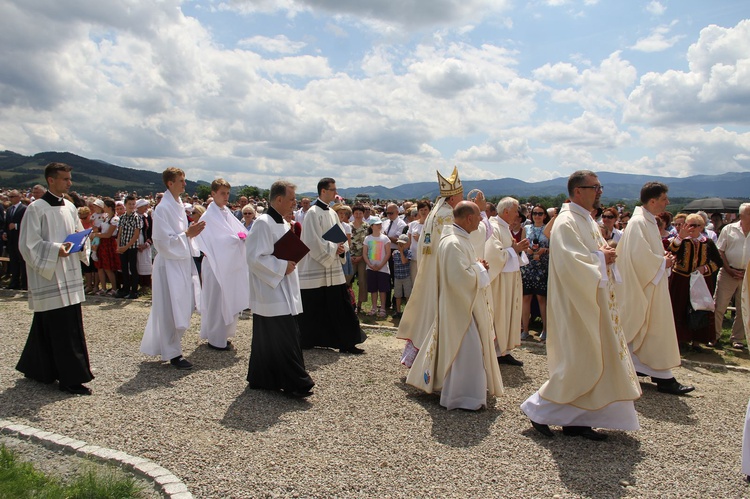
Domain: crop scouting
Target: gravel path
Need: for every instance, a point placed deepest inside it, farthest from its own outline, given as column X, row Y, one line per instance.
column 364, row 433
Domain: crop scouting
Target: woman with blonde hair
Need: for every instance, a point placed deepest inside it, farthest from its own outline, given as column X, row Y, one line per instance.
column 693, row 252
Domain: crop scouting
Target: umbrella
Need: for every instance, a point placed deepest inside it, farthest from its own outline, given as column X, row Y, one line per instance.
column 711, row 205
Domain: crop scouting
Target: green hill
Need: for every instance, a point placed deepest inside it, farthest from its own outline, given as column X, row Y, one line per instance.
column 89, row 176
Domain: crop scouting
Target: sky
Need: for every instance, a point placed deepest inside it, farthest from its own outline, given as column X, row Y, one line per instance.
column 380, row 92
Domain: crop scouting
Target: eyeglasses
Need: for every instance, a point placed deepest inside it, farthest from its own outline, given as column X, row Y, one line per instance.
column 693, row 226
column 391, row 212
column 608, row 216
column 538, row 213
column 598, row 187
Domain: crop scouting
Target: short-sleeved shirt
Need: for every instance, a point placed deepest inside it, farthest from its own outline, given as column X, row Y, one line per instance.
column 129, row 222
column 377, row 251
column 735, row 245
column 401, row 270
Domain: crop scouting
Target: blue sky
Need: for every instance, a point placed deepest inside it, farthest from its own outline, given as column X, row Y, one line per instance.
column 380, row 92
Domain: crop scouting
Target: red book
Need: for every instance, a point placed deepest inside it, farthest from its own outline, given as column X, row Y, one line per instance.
column 290, row 247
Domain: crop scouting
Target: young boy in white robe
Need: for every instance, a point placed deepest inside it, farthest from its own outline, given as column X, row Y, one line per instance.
column 175, row 284
column 225, row 293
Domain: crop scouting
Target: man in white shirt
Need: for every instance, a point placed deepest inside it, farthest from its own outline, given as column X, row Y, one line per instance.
column 299, row 215
column 734, row 247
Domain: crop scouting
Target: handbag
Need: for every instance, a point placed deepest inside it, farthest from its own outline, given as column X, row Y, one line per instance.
column 698, row 319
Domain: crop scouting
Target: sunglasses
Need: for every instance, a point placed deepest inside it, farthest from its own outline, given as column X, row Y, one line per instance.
column 540, row 213
column 692, row 226
column 608, row 216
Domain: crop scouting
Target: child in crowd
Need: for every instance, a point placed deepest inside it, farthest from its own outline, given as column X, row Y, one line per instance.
column 127, row 239
column 90, row 277
column 401, row 273
column 376, row 253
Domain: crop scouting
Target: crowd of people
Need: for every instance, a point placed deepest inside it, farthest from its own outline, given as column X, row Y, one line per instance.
column 464, row 276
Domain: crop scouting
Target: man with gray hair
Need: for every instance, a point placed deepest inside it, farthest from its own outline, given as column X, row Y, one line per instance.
column 734, row 247
column 503, row 256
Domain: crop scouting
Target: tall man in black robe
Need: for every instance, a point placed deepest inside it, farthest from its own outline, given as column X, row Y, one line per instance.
column 56, row 346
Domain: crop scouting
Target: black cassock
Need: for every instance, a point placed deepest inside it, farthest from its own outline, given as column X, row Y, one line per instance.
column 276, row 361
column 56, row 348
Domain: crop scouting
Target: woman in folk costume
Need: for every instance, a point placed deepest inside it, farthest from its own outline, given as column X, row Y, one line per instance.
column 415, row 323
column 225, row 293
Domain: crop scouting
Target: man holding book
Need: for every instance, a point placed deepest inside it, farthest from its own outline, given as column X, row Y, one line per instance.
column 328, row 318
column 56, row 346
column 276, row 361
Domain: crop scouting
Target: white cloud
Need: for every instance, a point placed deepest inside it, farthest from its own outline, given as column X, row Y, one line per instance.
column 278, row 44
column 716, row 89
column 658, row 40
column 656, row 8
column 384, row 14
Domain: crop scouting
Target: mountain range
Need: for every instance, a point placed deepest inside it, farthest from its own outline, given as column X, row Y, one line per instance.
column 95, row 176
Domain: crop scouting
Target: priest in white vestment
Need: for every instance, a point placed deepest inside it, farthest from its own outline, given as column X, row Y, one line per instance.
column 458, row 357
column 175, row 284
column 745, row 304
column 276, row 361
column 415, row 323
column 643, row 295
column 56, row 345
column 224, row 293
column 592, row 381
column 502, row 254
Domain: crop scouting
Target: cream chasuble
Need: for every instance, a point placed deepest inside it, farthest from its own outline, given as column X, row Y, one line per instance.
column 587, row 355
column 506, row 285
column 420, row 311
column 460, row 301
column 643, row 295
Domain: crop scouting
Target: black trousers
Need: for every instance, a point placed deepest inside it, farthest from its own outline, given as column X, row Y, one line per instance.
column 16, row 265
column 129, row 265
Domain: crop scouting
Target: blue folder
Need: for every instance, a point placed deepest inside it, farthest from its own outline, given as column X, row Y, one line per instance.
column 78, row 240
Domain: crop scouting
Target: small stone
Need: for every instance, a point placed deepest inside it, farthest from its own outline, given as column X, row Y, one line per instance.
column 624, row 483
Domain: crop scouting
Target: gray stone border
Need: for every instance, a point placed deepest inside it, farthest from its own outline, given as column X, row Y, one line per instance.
column 163, row 480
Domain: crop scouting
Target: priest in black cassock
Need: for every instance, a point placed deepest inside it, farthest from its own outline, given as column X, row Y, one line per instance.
column 56, row 346
column 276, row 361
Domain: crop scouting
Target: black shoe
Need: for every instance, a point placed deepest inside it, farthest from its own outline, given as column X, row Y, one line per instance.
column 509, row 360
column 78, row 389
column 131, row 296
column 543, row 429
column 228, row 347
column 121, row 294
column 397, row 315
column 641, row 375
column 298, row 394
column 352, row 350
column 583, row 431
column 672, row 386
column 181, row 363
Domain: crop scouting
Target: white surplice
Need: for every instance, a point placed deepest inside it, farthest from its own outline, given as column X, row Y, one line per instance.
column 175, row 284
column 54, row 282
column 272, row 292
column 225, row 293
